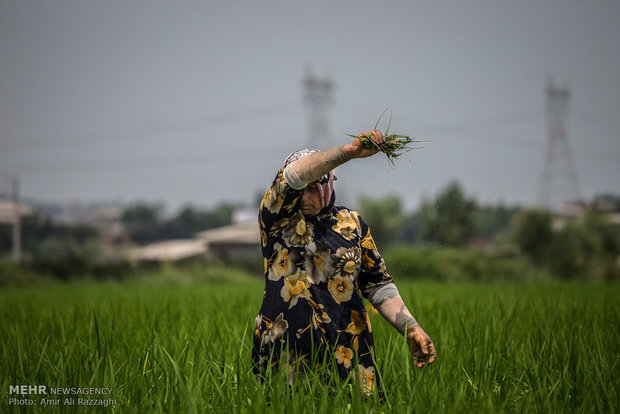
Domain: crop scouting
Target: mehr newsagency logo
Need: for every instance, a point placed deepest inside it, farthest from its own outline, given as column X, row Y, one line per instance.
column 43, row 395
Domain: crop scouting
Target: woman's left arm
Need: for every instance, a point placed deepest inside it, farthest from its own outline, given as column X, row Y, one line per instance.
column 378, row 287
column 396, row 313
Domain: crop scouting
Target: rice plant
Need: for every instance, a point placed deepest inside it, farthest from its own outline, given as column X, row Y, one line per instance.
column 185, row 348
column 393, row 145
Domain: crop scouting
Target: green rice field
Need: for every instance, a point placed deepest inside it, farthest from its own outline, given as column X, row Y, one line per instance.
column 185, row 348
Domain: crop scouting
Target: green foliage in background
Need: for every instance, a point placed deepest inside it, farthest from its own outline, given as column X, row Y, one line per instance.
column 494, row 222
column 496, row 241
column 534, row 234
column 191, row 272
column 514, row 243
column 185, row 348
column 585, row 248
column 449, row 220
column 386, row 216
column 458, row 265
column 142, row 220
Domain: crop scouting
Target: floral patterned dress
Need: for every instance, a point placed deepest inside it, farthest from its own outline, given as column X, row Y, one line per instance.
column 317, row 270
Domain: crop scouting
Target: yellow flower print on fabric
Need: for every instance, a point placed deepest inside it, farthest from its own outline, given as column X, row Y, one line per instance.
column 368, row 242
column 273, row 200
column 275, row 329
column 366, row 378
column 367, row 261
column 355, row 217
column 382, row 265
column 257, row 322
column 370, row 258
column 357, row 325
column 318, row 263
column 295, row 287
column 355, row 328
column 263, row 238
column 283, row 264
column 279, row 225
column 347, row 261
column 368, row 323
column 298, row 232
column 347, row 224
column 319, row 318
column 344, row 355
column 341, row 288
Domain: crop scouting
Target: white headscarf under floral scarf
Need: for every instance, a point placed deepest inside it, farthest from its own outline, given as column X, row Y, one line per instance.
column 326, row 183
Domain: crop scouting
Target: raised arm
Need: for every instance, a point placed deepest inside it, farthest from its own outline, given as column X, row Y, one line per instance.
column 312, row 167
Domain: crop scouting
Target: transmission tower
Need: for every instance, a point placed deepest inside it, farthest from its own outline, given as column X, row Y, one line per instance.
column 559, row 183
column 318, row 99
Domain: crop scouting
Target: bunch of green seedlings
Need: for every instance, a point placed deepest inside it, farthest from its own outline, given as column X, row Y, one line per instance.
column 393, row 145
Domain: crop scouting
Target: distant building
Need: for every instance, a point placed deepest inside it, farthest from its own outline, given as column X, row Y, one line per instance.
column 108, row 222
column 608, row 206
column 8, row 211
column 169, row 251
column 239, row 241
column 234, row 242
column 103, row 216
column 570, row 211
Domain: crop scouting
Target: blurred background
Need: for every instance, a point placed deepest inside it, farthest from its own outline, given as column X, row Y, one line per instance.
column 147, row 132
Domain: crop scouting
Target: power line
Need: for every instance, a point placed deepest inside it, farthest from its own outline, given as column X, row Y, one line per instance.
column 165, row 160
column 148, row 129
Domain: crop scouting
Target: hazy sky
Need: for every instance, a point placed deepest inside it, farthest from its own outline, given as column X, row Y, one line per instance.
column 200, row 101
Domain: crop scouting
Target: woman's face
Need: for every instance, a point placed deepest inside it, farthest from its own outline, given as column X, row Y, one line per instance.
column 311, row 200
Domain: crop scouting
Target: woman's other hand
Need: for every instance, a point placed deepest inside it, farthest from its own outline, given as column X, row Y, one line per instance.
column 422, row 348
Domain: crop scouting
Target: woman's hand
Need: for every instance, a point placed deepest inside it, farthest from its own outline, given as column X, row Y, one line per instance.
column 422, row 348
column 396, row 313
column 357, row 149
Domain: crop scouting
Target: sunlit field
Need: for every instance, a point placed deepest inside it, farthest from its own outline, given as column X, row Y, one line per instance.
column 186, row 348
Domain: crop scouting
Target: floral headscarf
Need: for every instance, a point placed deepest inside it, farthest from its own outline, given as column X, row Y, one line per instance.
column 326, row 182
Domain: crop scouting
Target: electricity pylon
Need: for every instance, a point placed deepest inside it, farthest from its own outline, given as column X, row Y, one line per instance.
column 318, row 99
column 559, row 182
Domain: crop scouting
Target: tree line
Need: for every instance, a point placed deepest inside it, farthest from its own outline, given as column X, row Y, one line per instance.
column 448, row 231
column 587, row 246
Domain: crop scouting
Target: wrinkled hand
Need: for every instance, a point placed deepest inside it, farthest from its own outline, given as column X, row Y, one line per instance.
column 356, row 149
column 422, row 348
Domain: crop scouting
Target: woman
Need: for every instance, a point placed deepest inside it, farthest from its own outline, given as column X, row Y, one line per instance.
column 320, row 260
